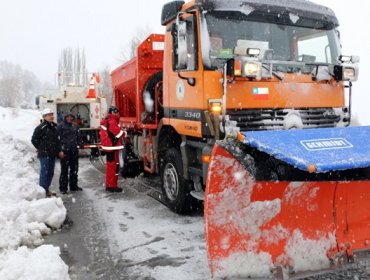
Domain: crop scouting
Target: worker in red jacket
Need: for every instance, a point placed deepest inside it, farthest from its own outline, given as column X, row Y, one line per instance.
column 111, row 140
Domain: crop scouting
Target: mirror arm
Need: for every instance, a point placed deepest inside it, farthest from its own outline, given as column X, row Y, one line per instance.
column 349, row 86
column 190, row 80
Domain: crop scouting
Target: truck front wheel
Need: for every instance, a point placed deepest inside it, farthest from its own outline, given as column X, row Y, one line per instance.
column 175, row 187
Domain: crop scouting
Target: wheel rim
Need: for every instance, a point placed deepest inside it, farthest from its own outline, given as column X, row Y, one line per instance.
column 171, row 181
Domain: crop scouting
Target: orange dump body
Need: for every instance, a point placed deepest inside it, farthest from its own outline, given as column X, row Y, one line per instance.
column 254, row 227
column 129, row 80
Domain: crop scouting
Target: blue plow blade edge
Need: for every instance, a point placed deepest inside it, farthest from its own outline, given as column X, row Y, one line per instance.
column 328, row 149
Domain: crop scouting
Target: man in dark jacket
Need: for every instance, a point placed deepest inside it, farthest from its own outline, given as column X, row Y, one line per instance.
column 70, row 140
column 45, row 139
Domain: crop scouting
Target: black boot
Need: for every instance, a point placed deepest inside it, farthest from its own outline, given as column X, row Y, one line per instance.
column 75, row 189
column 114, row 190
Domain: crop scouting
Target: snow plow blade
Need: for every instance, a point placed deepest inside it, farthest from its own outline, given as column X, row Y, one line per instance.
column 291, row 201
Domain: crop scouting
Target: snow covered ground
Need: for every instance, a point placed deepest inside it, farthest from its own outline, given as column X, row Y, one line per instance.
column 142, row 238
column 26, row 216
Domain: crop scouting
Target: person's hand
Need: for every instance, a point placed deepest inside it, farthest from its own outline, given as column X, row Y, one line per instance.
column 61, row 154
column 124, row 135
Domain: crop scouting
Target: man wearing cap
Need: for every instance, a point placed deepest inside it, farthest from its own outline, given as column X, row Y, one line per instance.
column 45, row 139
column 111, row 139
column 70, row 141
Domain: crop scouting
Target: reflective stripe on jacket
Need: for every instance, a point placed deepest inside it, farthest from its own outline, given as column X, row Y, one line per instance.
column 111, row 133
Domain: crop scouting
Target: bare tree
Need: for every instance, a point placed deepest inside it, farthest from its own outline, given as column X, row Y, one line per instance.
column 83, row 69
column 72, row 67
column 77, row 66
column 18, row 87
column 30, row 87
column 105, row 86
column 130, row 50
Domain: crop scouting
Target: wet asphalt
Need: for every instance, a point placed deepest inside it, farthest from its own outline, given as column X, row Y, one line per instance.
column 83, row 238
column 82, row 246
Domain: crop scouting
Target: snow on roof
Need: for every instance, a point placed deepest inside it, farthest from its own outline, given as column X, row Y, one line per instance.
column 301, row 8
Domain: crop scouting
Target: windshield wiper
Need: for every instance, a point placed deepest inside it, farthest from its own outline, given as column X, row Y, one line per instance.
column 276, row 74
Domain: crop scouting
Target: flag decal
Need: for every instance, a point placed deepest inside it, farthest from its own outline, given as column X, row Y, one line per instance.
column 260, row 93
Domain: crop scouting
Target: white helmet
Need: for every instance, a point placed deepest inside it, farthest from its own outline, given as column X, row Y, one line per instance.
column 47, row 111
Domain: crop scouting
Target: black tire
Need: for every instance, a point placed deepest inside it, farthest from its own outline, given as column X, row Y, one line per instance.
column 175, row 187
column 147, row 117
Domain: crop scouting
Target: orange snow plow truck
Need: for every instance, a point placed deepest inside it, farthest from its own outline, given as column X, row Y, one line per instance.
column 247, row 105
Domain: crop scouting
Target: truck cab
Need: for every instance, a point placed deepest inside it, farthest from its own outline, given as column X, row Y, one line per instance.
column 269, row 64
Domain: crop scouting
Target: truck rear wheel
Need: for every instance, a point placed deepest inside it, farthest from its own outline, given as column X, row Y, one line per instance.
column 175, row 187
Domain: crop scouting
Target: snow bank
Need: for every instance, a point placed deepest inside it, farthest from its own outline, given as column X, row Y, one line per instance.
column 25, row 214
column 19, row 123
column 40, row 263
column 49, row 211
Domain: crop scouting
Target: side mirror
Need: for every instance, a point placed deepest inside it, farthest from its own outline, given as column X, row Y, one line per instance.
column 181, row 44
column 170, row 10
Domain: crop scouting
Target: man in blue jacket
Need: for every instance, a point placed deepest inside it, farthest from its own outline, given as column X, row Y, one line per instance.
column 45, row 139
column 70, row 140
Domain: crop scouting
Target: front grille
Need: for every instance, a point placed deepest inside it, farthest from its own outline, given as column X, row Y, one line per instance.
column 269, row 119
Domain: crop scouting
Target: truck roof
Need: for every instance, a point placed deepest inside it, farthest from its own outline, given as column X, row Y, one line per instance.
column 301, row 8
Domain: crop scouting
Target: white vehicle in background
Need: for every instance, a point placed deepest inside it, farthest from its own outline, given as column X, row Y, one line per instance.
column 85, row 101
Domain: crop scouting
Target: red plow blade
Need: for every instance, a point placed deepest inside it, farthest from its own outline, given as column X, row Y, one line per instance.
column 255, row 227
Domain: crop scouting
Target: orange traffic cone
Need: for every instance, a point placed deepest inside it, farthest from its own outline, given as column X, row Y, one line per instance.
column 91, row 94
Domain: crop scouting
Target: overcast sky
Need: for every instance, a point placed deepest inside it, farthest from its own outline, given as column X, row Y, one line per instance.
column 33, row 33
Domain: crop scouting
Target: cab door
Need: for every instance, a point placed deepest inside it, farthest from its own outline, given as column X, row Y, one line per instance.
column 185, row 81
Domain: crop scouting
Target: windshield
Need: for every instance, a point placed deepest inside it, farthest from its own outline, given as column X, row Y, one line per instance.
column 232, row 33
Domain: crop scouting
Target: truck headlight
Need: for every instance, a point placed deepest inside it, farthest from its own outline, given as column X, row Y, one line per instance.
column 349, row 74
column 242, row 67
column 252, row 70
